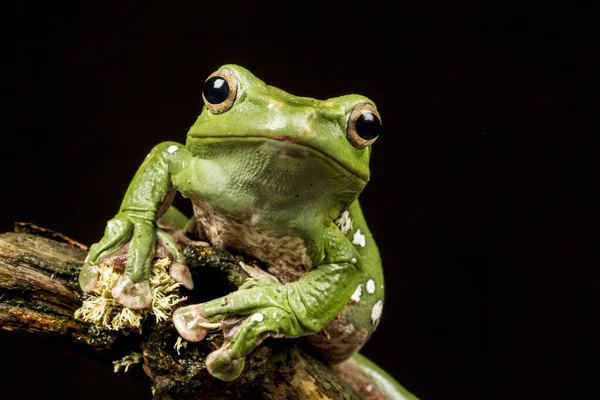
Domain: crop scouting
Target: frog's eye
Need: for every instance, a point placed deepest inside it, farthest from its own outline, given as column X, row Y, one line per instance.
column 219, row 91
column 364, row 126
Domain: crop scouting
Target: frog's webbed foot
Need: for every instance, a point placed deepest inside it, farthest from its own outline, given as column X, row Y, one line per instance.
column 118, row 231
column 193, row 327
column 247, row 317
column 165, row 247
column 129, row 245
column 130, row 294
column 138, row 295
column 242, row 335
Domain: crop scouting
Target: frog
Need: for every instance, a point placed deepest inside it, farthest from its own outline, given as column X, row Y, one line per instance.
column 275, row 177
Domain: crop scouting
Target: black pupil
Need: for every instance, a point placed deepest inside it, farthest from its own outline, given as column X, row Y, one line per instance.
column 216, row 90
column 368, row 126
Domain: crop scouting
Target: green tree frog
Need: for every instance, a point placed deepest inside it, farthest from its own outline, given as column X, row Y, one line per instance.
column 274, row 177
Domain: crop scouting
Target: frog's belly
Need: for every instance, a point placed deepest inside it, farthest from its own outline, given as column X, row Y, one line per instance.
column 286, row 257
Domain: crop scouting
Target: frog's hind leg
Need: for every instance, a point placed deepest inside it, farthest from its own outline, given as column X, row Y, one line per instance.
column 370, row 381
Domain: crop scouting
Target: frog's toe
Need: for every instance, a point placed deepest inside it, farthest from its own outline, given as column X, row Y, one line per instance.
column 133, row 295
column 181, row 274
column 191, row 325
column 222, row 366
column 88, row 278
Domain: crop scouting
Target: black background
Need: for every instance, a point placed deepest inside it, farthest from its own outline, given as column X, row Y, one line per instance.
column 484, row 181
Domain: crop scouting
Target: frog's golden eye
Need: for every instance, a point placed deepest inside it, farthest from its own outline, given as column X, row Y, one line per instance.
column 364, row 126
column 219, row 91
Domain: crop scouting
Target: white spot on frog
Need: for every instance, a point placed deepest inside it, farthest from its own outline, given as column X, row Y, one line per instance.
column 376, row 312
column 371, row 286
column 359, row 239
column 369, row 388
column 353, row 261
column 172, row 149
column 344, row 222
column 258, row 317
column 255, row 218
column 356, row 295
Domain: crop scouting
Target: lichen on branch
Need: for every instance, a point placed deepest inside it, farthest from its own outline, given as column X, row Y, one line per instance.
column 102, row 309
column 39, row 294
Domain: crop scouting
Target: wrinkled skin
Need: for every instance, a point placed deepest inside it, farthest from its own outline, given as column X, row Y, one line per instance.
column 275, row 177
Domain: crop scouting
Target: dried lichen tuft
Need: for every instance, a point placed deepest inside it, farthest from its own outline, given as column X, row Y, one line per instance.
column 127, row 361
column 103, row 310
column 179, row 343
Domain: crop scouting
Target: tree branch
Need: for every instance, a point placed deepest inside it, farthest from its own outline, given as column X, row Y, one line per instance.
column 39, row 294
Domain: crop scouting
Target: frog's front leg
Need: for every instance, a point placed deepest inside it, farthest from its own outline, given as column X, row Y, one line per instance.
column 295, row 309
column 149, row 194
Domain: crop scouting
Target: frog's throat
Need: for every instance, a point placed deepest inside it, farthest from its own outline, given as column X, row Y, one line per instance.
column 291, row 141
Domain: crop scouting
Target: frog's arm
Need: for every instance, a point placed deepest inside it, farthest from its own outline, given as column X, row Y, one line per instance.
column 291, row 310
column 148, row 196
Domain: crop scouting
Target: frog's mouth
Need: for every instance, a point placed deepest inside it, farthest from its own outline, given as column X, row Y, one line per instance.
column 293, row 142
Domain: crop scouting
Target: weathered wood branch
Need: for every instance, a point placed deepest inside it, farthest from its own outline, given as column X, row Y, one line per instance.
column 39, row 294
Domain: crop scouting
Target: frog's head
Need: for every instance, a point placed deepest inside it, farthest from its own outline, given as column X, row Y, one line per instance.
column 241, row 110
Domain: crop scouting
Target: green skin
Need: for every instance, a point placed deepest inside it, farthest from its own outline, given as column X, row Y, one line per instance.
column 283, row 166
